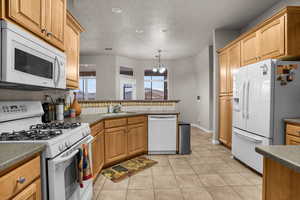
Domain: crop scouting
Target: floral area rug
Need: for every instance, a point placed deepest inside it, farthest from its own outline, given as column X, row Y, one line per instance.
column 127, row 168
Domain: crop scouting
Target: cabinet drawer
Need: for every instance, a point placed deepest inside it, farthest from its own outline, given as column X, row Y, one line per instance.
column 293, row 130
column 32, row 191
column 115, row 122
column 292, row 140
column 9, row 182
column 136, row 120
column 97, row 128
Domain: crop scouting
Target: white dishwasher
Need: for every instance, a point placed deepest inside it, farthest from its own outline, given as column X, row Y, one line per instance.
column 162, row 134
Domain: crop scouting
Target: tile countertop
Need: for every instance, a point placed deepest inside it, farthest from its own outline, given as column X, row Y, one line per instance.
column 95, row 118
column 288, row 156
column 293, row 121
column 11, row 154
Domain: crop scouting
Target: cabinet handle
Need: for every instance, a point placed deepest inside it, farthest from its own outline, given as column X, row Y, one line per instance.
column 43, row 30
column 49, row 34
column 21, row 180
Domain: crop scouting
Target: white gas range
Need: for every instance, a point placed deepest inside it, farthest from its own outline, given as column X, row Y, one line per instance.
column 20, row 122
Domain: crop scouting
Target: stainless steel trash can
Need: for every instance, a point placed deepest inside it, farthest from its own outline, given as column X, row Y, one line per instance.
column 184, row 138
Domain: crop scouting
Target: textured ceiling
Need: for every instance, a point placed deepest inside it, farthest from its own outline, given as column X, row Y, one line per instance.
column 189, row 24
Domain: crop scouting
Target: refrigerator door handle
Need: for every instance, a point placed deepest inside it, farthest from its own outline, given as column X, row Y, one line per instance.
column 243, row 100
column 248, row 138
column 248, row 96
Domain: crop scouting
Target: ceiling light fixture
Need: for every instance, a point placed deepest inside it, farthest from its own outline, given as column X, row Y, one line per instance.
column 160, row 67
column 116, row 10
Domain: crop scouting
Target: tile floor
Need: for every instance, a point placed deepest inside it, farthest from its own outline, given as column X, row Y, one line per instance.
column 209, row 173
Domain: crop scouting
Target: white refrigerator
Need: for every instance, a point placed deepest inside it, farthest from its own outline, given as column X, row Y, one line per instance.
column 260, row 103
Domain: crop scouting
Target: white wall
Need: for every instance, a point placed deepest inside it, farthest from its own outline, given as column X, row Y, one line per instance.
column 203, row 68
column 187, row 78
column 105, row 66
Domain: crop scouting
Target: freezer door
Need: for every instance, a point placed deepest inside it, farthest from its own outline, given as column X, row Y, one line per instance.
column 258, row 98
column 243, row 148
column 239, row 103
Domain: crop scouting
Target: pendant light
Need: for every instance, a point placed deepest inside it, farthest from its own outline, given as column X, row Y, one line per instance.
column 161, row 67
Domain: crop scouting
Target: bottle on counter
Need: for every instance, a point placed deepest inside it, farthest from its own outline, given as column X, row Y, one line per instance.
column 59, row 109
column 76, row 106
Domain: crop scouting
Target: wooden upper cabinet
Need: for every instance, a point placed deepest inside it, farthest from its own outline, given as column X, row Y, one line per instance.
column 137, row 138
column 72, row 48
column 55, row 22
column 29, row 14
column 249, row 46
column 225, row 120
column 234, row 62
column 223, row 65
column 45, row 18
column 271, row 39
column 115, row 144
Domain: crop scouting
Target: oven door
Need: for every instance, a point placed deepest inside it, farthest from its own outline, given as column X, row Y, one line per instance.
column 62, row 176
column 29, row 61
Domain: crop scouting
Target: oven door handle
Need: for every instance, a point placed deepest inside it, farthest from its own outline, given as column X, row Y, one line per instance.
column 89, row 140
column 65, row 158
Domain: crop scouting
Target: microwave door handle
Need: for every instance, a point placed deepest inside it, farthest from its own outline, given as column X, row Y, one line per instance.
column 65, row 158
column 55, row 71
column 58, row 72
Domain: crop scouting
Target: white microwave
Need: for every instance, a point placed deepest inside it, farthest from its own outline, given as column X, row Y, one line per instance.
column 28, row 60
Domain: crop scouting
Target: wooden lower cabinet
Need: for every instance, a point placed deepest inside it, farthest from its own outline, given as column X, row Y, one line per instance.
column 115, row 144
column 292, row 140
column 292, row 134
column 279, row 182
column 32, row 192
column 225, row 120
column 22, row 182
column 137, row 139
column 118, row 139
column 98, row 153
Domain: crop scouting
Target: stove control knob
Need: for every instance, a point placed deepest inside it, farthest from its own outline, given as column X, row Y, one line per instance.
column 66, row 144
column 61, row 147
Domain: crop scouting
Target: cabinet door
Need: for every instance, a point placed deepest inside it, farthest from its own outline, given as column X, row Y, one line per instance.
column 292, row 140
column 98, row 153
column 72, row 46
column 271, row 39
column 30, row 14
column 234, row 62
column 101, row 150
column 115, row 144
column 32, row 192
column 223, row 64
column 249, row 49
column 55, row 22
column 137, row 138
column 225, row 120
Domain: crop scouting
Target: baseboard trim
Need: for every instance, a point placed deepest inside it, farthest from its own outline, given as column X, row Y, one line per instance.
column 215, row 141
column 200, row 127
